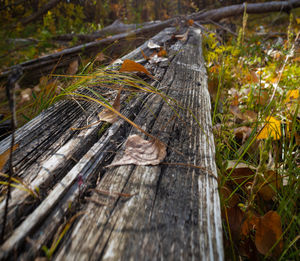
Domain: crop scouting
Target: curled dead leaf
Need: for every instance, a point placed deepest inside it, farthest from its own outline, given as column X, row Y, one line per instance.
column 235, row 110
column 268, row 185
column 26, row 95
column 190, row 22
column 108, row 115
column 142, row 152
column 250, row 115
column 162, row 53
column 242, row 133
column 231, row 198
column 268, row 232
column 73, row 67
column 241, row 173
column 235, row 217
column 131, row 66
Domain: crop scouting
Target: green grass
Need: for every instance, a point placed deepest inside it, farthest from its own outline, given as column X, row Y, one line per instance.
column 254, row 74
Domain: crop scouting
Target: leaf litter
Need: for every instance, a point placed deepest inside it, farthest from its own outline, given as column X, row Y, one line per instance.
column 142, row 152
column 108, row 115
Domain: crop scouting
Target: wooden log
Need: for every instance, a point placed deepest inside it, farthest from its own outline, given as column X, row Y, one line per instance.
column 251, row 8
column 175, row 212
column 46, row 168
column 174, row 209
column 116, row 27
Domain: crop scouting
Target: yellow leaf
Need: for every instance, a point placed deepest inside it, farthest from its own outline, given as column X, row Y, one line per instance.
column 298, row 20
column 292, row 95
column 271, row 128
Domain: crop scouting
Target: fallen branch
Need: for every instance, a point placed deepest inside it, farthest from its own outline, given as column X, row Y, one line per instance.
column 116, row 27
column 49, row 61
column 234, row 10
column 71, row 53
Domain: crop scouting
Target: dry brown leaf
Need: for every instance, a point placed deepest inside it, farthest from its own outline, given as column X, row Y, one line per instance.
column 250, row 115
column 241, row 173
column 25, row 95
column 142, row 152
column 242, row 133
column 100, row 57
column 268, row 232
column 243, row 116
column 226, row 192
column 248, row 224
column 190, row 22
column 162, row 53
column 262, row 98
column 131, row 66
column 235, row 218
column 182, row 37
column 108, row 115
column 235, row 110
column 5, row 156
column 73, row 67
column 213, row 88
column 268, row 185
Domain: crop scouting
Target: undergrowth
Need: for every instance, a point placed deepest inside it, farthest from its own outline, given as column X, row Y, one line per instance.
column 254, row 85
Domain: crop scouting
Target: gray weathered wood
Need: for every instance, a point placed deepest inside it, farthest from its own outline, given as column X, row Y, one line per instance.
column 174, row 212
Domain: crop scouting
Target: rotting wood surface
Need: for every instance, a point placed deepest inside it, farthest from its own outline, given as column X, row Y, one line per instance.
column 173, row 211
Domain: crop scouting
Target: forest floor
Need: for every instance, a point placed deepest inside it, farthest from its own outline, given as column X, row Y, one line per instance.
column 253, row 64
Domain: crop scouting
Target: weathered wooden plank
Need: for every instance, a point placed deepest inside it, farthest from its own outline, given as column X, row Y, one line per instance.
column 55, row 167
column 175, row 212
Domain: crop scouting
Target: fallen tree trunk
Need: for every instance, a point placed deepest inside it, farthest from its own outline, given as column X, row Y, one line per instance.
column 116, row 27
column 168, row 211
column 205, row 17
column 62, row 59
column 235, row 10
column 65, row 57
